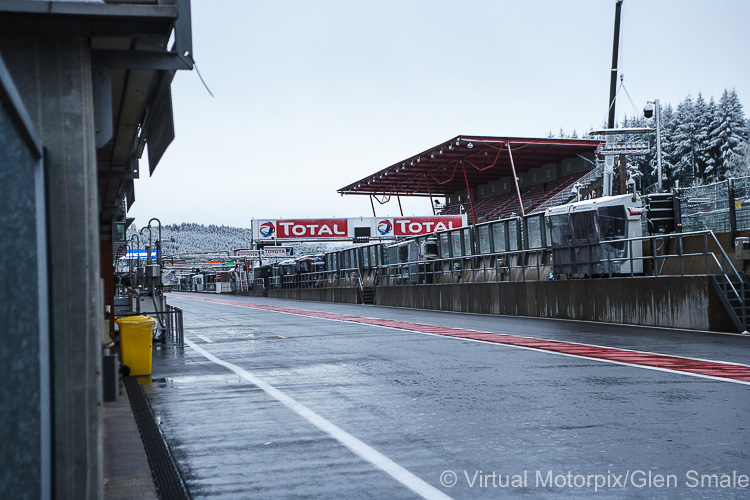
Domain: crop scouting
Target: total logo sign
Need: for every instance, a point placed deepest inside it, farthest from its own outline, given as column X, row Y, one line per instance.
column 415, row 226
column 342, row 229
column 267, row 229
column 304, row 228
column 385, row 227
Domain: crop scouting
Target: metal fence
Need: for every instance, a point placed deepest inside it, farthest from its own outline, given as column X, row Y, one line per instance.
column 668, row 256
column 174, row 331
column 351, row 277
column 676, row 254
column 722, row 207
column 170, row 322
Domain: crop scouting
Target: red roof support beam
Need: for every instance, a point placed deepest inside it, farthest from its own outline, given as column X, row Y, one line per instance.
column 373, row 207
column 515, row 180
column 468, row 190
column 429, row 191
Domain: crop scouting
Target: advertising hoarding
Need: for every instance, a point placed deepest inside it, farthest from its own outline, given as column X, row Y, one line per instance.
column 344, row 229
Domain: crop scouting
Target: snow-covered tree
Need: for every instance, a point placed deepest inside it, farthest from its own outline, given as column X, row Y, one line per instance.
column 703, row 118
column 739, row 162
column 669, row 153
column 685, row 142
column 730, row 129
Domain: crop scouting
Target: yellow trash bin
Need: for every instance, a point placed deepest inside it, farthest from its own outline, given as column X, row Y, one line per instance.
column 136, row 335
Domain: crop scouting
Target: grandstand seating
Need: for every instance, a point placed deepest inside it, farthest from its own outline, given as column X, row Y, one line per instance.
column 505, row 205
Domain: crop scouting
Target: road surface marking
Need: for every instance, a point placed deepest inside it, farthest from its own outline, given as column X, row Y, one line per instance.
column 203, row 338
column 358, row 447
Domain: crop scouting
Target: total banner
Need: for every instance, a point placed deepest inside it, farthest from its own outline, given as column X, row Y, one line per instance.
column 345, row 229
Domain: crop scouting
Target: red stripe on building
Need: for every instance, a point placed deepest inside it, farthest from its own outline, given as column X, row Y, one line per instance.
column 715, row 369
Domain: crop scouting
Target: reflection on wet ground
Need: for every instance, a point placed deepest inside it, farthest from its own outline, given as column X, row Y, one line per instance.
column 431, row 405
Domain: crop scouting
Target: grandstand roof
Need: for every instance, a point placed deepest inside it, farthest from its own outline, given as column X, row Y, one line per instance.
column 439, row 170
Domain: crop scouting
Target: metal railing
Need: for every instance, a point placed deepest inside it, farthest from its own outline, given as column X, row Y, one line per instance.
column 539, row 259
column 565, row 195
column 536, row 264
column 170, row 322
column 174, row 326
column 351, row 277
column 519, row 265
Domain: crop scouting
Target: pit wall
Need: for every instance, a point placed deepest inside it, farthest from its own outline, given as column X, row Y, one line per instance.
column 679, row 302
column 341, row 295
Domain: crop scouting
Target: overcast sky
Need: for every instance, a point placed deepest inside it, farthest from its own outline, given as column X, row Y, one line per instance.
column 312, row 95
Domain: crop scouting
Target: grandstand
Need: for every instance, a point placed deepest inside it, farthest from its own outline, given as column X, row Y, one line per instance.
column 490, row 178
column 535, row 198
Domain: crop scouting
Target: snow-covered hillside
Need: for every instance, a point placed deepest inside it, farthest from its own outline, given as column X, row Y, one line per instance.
column 191, row 238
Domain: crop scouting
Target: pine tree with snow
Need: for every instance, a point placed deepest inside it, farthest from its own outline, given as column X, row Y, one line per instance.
column 712, row 153
column 703, row 117
column 685, row 142
column 731, row 129
column 668, row 148
column 739, row 163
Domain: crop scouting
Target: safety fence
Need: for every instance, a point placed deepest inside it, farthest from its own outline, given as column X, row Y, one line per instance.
column 677, row 254
column 722, row 207
column 351, row 277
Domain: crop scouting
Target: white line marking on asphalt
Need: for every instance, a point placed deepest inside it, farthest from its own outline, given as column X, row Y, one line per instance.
column 204, row 338
column 359, row 448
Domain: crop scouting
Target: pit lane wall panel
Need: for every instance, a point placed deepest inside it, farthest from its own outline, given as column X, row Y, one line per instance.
column 341, row 295
column 679, row 302
column 675, row 302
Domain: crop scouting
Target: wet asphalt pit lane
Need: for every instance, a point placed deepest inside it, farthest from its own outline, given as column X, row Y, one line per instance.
column 222, row 334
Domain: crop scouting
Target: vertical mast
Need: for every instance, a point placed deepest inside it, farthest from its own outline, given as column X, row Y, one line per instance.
column 609, row 162
column 613, row 77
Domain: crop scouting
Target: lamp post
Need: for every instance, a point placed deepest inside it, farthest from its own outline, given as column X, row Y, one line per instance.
column 159, row 242
column 654, row 109
column 137, row 255
column 148, row 247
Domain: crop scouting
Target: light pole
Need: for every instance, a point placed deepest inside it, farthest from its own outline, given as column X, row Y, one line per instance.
column 137, row 255
column 159, row 242
column 653, row 108
column 148, row 247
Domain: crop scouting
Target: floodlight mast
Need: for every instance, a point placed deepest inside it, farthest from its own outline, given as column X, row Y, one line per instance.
column 609, row 161
column 657, row 117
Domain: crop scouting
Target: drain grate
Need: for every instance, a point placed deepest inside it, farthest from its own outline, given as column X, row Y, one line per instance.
column 169, row 484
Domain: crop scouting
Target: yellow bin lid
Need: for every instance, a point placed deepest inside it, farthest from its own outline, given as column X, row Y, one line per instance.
column 136, row 319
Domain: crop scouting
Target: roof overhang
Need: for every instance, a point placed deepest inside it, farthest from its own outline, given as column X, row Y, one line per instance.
column 474, row 160
column 133, row 66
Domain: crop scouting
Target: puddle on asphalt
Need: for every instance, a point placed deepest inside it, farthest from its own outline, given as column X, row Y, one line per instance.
column 192, row 379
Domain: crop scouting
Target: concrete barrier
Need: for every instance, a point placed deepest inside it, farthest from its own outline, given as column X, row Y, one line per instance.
column 680, row 302
column 343, row 295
